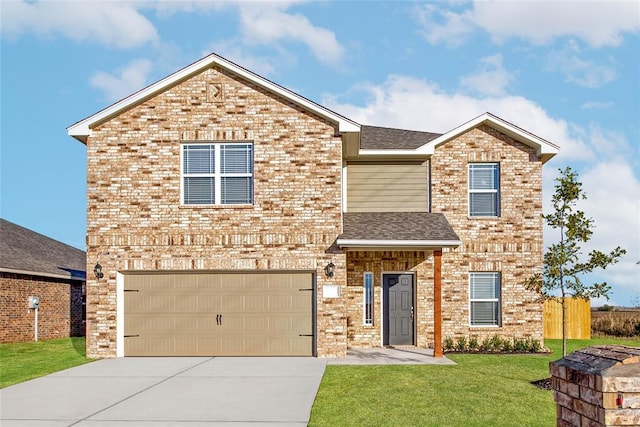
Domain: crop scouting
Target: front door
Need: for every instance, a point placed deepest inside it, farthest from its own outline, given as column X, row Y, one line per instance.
column 398, row 309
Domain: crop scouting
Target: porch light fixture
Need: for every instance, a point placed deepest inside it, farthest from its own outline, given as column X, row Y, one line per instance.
column 97, row 270
column 328, row 270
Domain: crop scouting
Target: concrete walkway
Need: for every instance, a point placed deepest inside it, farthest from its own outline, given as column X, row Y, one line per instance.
column 159, row 392
column 391, row 356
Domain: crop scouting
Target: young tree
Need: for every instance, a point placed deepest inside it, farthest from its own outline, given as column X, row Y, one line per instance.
column 563, row 266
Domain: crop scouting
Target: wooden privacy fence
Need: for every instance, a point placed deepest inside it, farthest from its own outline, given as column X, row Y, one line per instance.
column 578, row 319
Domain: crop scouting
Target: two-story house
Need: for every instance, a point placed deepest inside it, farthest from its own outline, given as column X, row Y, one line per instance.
column 228, row 215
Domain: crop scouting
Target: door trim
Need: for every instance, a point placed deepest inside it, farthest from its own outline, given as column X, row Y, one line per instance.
column 383, row 303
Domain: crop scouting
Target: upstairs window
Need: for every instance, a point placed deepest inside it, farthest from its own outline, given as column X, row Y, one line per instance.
column 217, row 174
column 484, row 299
column 484, row 189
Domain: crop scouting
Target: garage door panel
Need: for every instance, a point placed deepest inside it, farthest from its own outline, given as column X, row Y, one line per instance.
column 199, row 314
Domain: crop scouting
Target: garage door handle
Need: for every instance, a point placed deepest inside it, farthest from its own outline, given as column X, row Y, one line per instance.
column 305, row 335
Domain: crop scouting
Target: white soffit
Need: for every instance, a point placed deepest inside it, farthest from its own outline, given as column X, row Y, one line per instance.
column 82, row 129
column 358, row 243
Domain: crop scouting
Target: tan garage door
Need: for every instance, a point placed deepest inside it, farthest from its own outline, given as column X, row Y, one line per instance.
column 218, row 314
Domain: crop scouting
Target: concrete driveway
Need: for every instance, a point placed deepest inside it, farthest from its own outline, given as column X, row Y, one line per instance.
column 161, row 391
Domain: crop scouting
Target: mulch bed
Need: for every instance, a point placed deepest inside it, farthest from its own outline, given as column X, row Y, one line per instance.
column 544, row 384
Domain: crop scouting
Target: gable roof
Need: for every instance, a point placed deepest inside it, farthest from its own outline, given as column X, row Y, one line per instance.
column 397, row 230
column 381, row 138
column 544, row 148
column 24, row 251
column 82, row 129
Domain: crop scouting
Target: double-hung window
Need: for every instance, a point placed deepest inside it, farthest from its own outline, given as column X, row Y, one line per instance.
column 484, row 299
column 484, row 189
column 367, row 318
column 217, row 174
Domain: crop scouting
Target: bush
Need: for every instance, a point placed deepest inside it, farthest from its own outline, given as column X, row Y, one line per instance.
column 448, row 344
column 495, row 344
column 461, row 345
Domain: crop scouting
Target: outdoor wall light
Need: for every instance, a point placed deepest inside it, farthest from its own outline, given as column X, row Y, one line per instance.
column 328, row 270
column 97, row 270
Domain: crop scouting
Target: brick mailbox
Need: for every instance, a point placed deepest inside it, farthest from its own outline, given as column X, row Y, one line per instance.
column 598, row 386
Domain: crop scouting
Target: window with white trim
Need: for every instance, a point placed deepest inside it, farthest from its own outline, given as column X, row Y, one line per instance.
column 484, row 299
column 484, row 189
column 368, row 299
column 217, row 174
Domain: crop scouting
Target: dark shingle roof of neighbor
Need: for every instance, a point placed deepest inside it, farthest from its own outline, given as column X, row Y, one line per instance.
column 379, row 138
column 28, row 252
column 397, row 226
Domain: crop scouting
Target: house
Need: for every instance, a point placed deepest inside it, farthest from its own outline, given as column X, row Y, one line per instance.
column 33, row 265
column 231, row 216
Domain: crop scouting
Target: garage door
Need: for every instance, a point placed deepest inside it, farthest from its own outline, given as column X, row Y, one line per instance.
column 218, row 314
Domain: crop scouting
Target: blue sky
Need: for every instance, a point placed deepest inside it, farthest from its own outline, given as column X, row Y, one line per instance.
column 567, row 71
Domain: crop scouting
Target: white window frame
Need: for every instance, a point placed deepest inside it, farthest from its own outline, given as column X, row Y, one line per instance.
column 217, row 173
column 495, row 190
column 498, row 298
column 367, row 294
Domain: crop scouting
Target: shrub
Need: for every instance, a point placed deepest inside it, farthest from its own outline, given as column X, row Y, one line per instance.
column 473, row 343
column 507, row 346
column 461, row 345
column 495, row 343
column 448, row 344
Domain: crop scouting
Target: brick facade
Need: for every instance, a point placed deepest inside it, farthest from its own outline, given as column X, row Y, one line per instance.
column 510, row 244
column 136, row 221
column 59, row 314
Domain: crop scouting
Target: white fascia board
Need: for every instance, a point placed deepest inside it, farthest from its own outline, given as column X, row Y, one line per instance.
column 391, row 153
column 82, row 129
column 398, row 243
column 542, row 146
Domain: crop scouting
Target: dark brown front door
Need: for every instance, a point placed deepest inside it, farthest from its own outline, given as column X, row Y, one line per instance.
column 398, row 309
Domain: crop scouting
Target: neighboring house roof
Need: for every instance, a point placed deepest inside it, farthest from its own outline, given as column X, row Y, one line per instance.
column 82, row 129
column 24, row 251
column 381, row 138
column 544, row 148
column 397, row 229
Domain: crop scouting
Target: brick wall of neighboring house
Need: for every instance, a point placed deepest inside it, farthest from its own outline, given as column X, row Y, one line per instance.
column 379, row 262
column 59, row 314
column 135, row 220
column 510, row 244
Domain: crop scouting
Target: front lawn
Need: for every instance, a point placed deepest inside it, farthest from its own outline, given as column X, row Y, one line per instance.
column 27, row 360
column 480, row 390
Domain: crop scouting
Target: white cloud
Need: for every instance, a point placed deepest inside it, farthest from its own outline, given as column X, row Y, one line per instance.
column 455, row 29
column 232, row 51
column 114, row 24
column 587, row 73
column 613, row 202
column 490, row 79
column 598, row 23
column 597, row 105
column 412, row 103
column 128, row 80
column 268, row 23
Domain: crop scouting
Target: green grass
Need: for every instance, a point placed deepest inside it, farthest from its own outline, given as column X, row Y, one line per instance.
column 480, row 390
column 24, row 361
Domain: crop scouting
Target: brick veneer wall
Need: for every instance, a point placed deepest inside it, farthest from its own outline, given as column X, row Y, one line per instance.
column 59, row 314
column 135, row 220
column 510, row 244
column 597, row 386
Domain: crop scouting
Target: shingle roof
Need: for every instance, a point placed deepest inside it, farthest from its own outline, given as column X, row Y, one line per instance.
column 380, row 138
column 398, row 226
column 23, row 250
